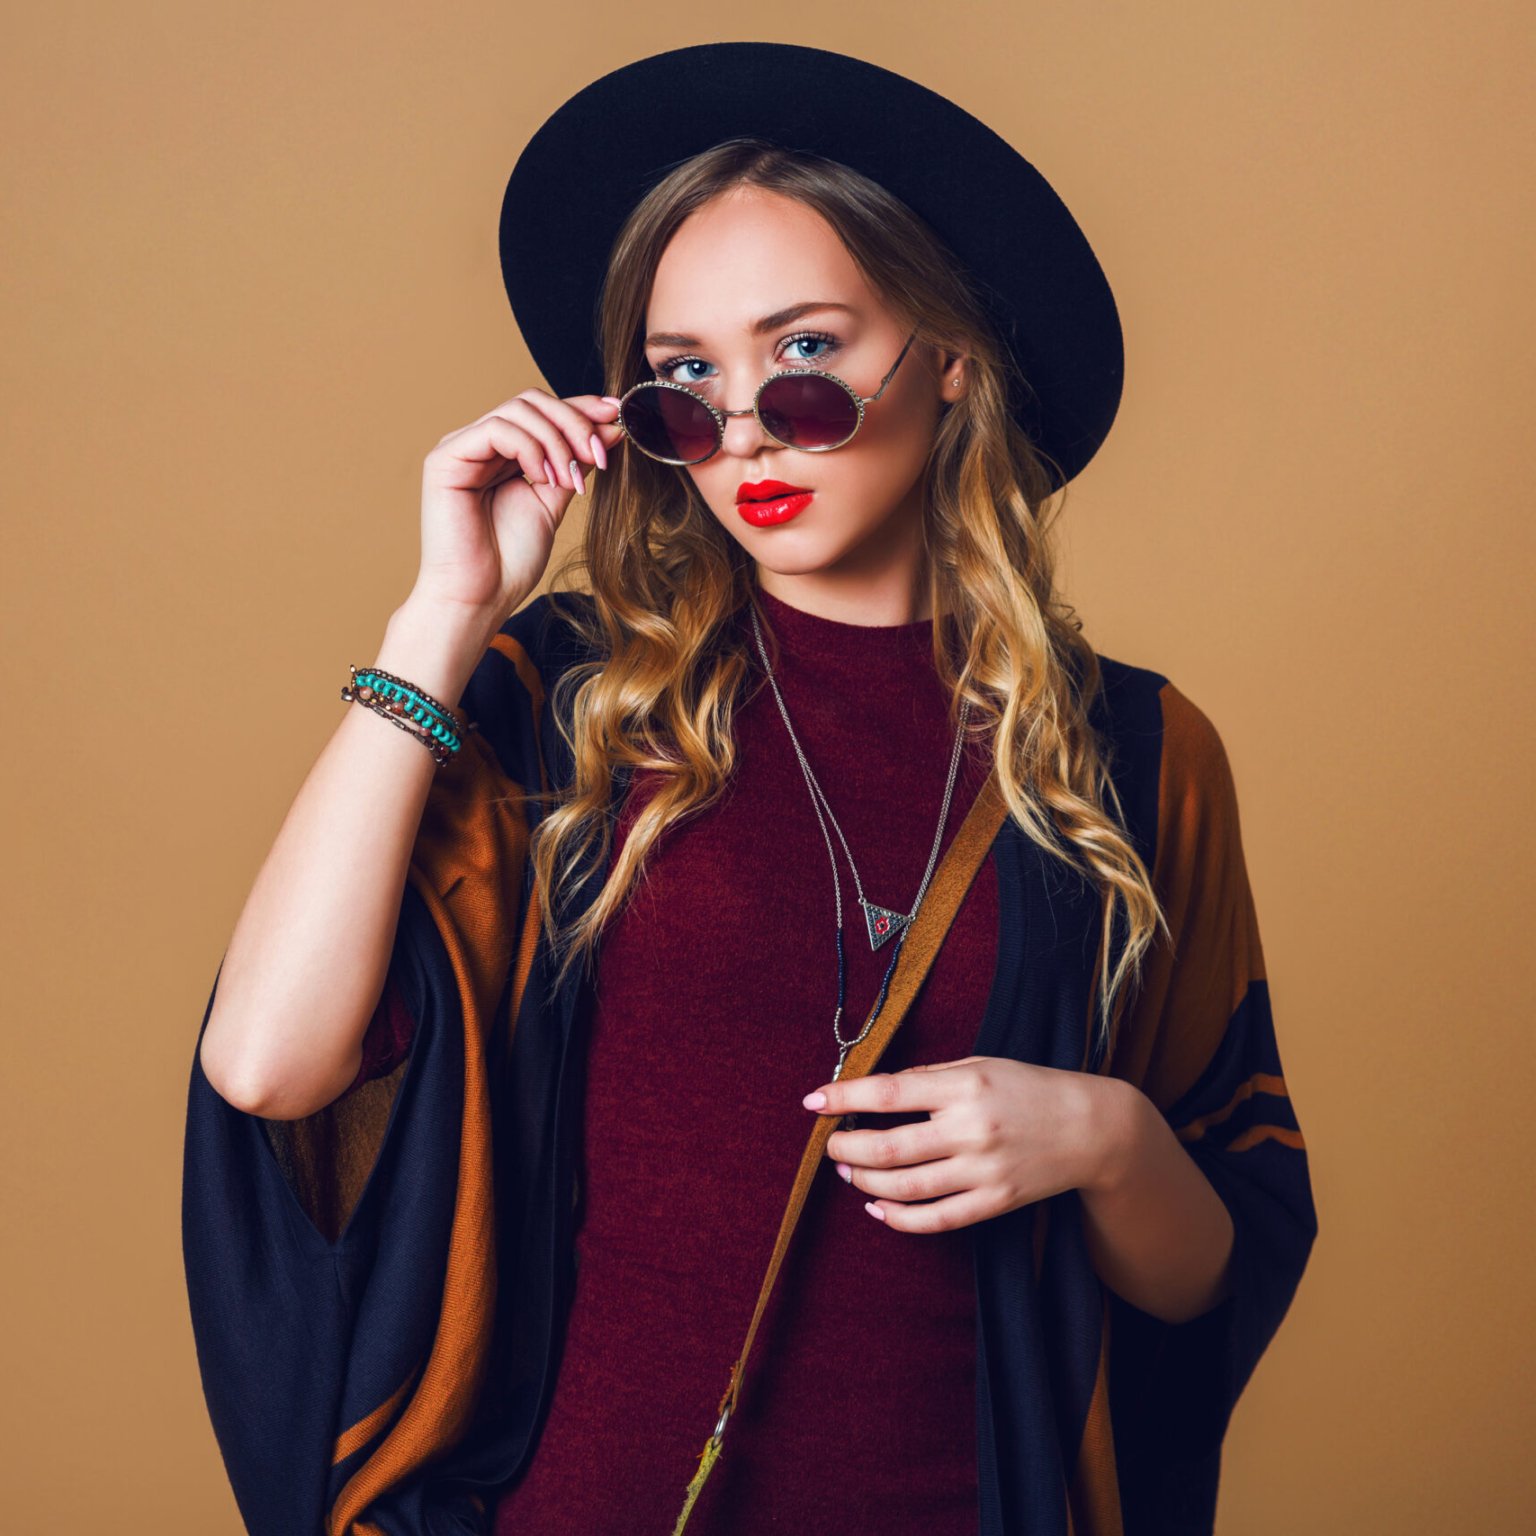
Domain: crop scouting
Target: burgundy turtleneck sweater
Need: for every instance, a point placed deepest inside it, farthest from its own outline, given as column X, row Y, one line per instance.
column 715, row 993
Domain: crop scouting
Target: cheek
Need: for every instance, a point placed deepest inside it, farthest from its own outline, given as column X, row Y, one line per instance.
column 717, row 487
column 892, row 440
column 881, row 464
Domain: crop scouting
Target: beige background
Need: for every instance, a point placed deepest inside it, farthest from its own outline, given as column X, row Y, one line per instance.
column 251, row 269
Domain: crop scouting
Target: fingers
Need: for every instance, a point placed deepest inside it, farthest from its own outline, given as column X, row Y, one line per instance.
column 527, row 450
column 554, row 438
column 891, row 1146
column 964, row 1209
column 926, row 1181
column 571, row 436
column 885, row 1093
column 545, row 439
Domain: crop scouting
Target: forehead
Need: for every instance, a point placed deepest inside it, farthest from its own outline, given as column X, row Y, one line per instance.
column 747, row 253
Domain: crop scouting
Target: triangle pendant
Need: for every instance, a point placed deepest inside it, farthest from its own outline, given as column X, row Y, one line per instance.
column 883, row 923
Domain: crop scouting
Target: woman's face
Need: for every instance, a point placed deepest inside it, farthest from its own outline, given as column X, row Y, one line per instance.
column 752, row 256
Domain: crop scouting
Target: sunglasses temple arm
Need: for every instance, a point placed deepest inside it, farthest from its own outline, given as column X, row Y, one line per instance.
column 870, row 399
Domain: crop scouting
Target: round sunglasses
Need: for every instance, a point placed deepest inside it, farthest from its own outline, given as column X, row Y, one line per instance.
column 803, row 408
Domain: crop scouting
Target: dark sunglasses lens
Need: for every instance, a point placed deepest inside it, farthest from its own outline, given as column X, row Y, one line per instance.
column 670, row 423
column 808, row 412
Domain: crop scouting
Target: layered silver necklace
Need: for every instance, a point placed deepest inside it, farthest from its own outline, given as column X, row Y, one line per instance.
column 883, row 923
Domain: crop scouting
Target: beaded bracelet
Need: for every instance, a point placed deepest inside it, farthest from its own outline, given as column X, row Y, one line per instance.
column 411, row 708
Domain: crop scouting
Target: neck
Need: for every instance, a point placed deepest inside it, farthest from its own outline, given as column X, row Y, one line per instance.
column 894, row 592
column 861, row 605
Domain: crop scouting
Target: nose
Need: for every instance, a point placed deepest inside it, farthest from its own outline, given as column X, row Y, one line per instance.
column 743, row 437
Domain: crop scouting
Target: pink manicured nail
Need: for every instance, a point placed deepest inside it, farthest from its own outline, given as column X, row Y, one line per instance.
column 599, row 452
column 845, row 1173
column 874, row 1210
column 576, row 475
column 549, row 473
column 613, row 400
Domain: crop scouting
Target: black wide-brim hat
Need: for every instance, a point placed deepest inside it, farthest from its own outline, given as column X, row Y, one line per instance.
column 599, row 153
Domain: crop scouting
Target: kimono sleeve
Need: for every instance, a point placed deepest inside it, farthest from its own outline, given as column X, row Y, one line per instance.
column 341, row 1268
column 1198, row 1038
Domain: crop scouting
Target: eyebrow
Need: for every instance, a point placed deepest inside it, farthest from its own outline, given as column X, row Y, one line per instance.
column 758, row 328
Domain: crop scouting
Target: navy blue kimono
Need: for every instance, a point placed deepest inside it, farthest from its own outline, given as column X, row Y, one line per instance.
column 378, row 1291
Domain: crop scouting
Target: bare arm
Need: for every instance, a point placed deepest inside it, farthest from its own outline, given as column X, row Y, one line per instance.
column 1157, row 1232
column 305, row 966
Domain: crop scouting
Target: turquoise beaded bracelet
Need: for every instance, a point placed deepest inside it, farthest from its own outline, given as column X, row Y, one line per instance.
column 412, row 708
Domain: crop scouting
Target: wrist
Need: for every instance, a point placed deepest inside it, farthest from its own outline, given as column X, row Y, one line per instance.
column 436, row 647
column 1113, row 1111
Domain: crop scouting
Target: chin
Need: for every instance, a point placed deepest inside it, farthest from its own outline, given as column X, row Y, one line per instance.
column 790, row 551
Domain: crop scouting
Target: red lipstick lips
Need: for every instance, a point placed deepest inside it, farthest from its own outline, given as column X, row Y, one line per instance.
column 766, row 503
column 766, row 490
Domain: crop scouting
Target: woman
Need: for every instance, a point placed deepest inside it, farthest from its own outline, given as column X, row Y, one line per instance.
column 487, row 1155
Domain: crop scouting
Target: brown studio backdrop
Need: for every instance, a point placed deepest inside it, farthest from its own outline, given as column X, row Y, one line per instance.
column 252, row 279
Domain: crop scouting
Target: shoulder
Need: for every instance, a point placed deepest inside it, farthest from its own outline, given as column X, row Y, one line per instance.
column 552, row 630
column 1125, row 709
column 542, row 640
column 1165, row 754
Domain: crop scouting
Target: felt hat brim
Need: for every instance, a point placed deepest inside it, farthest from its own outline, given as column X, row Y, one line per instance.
column 601, row 151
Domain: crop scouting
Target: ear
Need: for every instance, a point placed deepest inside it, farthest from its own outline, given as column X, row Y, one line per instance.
column 952, row 375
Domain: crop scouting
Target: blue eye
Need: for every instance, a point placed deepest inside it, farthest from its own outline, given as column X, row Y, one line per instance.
column 664, row 370
column 828, row 344
column 692, row 366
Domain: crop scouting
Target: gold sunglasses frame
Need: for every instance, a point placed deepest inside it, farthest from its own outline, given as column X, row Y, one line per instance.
column 720, row 417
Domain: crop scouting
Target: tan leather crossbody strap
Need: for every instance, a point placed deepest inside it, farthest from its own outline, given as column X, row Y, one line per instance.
column 951, row 881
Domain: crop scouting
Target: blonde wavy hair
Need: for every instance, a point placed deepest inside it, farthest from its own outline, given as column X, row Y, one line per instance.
column 666, row 582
